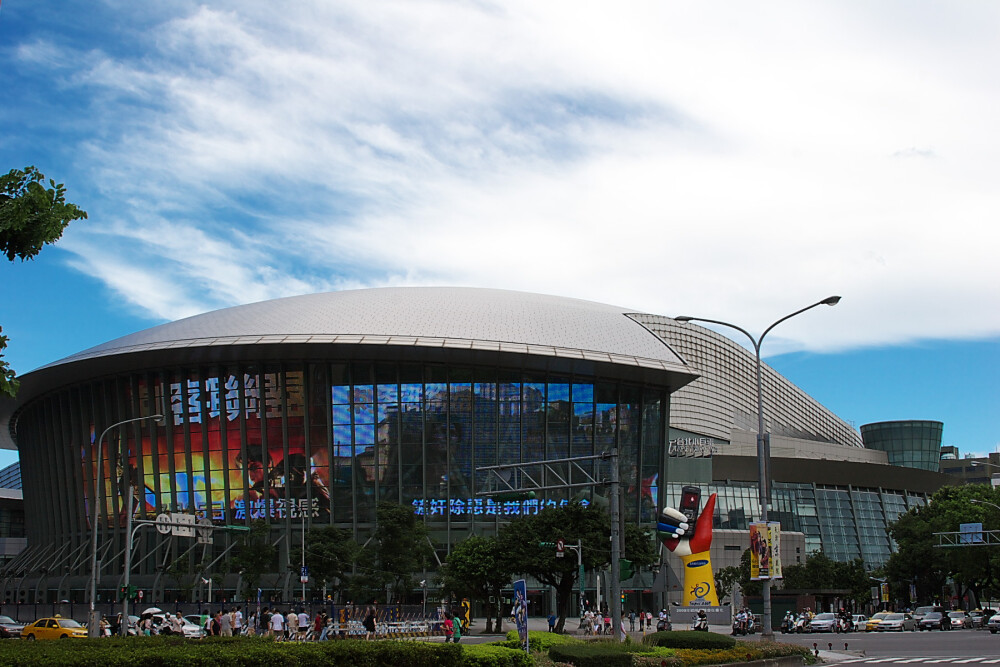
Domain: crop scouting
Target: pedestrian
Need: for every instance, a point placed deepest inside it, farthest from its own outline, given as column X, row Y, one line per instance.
column 552, row 622
column 303, row 624
column 369, row 624
column 291, row 625
column 237, row 621
column 649, row 620
column 457, row 625
column 449, row 627
column 177, row 624
column 225, row 624
column 631, row 620
column 277, row 625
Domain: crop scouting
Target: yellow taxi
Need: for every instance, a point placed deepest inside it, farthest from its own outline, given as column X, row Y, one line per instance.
column 54, row 627
column 873, row 622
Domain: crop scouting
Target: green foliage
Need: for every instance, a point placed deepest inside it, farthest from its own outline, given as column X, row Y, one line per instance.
column 479, row 568
column 491, row 655
column 235, row 651
column 539, row 641
column 572, row 522
column 821, row 572
column 929, row 567
column 399, row 547
column 8, row 383
column 31, row 216
column 255, row 557
column 330, row 553
column 726, row 579
column 742, row 652
column 689, row 639
column 608, row 652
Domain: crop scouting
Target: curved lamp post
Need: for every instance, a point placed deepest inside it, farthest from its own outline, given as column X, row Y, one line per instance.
column 763, row 448
column 94, row 623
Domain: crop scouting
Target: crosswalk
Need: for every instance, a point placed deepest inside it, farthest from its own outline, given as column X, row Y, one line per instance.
column 923, row 660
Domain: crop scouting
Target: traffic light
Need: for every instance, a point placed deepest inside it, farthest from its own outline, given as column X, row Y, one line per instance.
column 133, row 592
column 623, row 599
column 626, row 569
column 122, row 592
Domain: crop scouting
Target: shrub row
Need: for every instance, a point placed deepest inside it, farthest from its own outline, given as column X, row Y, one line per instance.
column 538, row 641
column 689, row 639
column 741, row 652
column 244, row 652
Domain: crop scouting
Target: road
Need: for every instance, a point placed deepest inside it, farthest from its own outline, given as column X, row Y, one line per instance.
column 913, row 648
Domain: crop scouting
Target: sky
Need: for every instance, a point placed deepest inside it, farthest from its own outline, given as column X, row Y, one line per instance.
column 729, row 160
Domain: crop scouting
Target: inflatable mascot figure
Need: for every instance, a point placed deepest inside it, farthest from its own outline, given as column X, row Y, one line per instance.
column 688, row 534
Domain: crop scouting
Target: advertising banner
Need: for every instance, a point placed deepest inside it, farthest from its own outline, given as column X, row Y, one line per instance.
column 774, row 548
column 760, row 556
column 520, row 611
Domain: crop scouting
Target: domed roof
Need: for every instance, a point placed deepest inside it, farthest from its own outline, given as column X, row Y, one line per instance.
column 449, row 317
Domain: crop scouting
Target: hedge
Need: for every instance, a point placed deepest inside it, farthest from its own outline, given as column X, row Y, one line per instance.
column 741, row 652
column 538, row 641
column 236, row 652
column 491, row 655
column 689, row 639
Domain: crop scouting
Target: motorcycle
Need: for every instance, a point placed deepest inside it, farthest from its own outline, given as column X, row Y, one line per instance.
column 700, row 624
column 801, row 624
column 787, row 623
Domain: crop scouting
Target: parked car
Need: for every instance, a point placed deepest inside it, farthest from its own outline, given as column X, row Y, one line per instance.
column 959, row 619
column 859, row 621
column 873, row 622
column 898, row 622
column 932, row 621
column 9, row 627
column 55, row 627
column 977, row 619
column 994, row 623
column 823, row 623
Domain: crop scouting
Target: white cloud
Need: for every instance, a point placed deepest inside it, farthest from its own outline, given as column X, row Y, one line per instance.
column 718, row 159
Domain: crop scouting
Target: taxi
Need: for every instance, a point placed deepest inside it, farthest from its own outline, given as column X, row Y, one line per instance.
column 54, row 627
column 873, row 622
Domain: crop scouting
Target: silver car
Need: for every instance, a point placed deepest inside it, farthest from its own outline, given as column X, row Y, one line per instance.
column 823, row 623
column 959, row 619
column 898, row 622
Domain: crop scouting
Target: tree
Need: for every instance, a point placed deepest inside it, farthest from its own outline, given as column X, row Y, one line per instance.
column 31, row 216
column 399, row 547
column 330, row 553
column 820, row 572
column 575, row 521
column 256, row 556
column 479, row 567
column 919, row 561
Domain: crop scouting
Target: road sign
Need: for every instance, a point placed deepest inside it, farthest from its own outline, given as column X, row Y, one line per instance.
column 140, row 594
column 304, row 575
column 186, row 524
column 204, row 530
column 163, row 522
column 560, row 548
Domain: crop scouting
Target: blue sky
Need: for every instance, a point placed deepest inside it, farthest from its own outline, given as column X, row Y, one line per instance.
column 730, row 161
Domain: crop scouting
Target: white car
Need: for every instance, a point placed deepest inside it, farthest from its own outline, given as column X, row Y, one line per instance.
column 994, row 623
column 859, row 622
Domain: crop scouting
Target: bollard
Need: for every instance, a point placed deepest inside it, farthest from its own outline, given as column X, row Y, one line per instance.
column 845, row 646
column 815, row 649
column 830, row 645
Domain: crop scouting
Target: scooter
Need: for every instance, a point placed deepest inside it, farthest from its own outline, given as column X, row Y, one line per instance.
column 699, row 624
column 801, row 624
column 787, row 623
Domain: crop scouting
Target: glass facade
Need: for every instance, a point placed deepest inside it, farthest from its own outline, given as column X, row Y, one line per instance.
column 911, row 444
column 325, row 442
column 844, row 522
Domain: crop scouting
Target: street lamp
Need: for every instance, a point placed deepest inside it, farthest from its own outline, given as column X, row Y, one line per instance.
column 984, row 502
column 94, row 624
column 763, row 446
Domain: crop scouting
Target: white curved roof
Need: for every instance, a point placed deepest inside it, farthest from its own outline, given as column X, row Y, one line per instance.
column 454, row 317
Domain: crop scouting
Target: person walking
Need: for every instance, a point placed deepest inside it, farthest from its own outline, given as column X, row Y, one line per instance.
column 225, row 624
column 449, row 627
column 457, row 625
column 552, row 622
column 291, row 625
column 277, row 626
column 631, row 621
column 369, row 624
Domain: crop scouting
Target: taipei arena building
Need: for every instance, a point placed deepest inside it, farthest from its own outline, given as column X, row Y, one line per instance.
column 310, row 410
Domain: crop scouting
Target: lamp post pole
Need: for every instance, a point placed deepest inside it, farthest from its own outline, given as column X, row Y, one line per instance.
column 94, row 622
column 763, row 444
